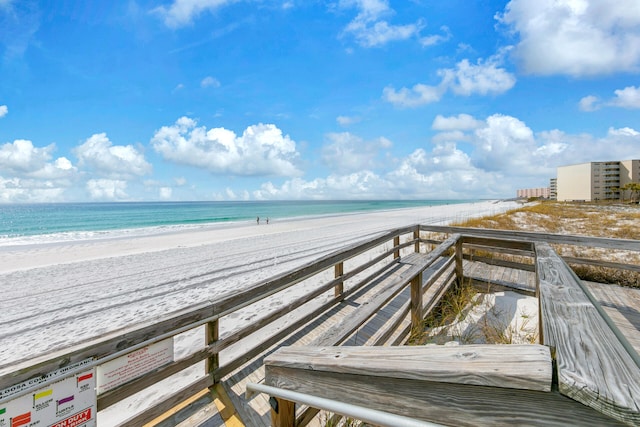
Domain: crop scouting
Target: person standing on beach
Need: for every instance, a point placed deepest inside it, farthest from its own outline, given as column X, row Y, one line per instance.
column 267, row 220
column 258, row 220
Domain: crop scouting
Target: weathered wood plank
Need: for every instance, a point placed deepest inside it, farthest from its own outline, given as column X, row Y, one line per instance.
column 601, row 263
column 444, row 403
column 495, row 244
column 525, row 367
column 438, row 286
column 501, row 250
column 484, row 285
column 416, row 301
column 230, row 366
column 594, row 365
column 416, row 264
column 566, row 239
column 339, row 332
column 168, row 403
column 622, row 304
column 284, row 413
column 500, row 262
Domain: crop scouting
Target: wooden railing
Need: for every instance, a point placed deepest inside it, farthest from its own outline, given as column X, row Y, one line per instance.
column 359, row 264
column 382, row 252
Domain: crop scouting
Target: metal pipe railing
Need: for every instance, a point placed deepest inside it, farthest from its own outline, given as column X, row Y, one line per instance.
column 373, row 416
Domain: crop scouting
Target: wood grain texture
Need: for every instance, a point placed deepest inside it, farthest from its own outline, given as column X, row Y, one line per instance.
column 412, row 266
column 622, row 304
column 507, row 366
column 168, row 403
column 566, row 239
column 285, row 416
column 600, row 263
column 444, row 403
column 339, row 332
column 593, row 365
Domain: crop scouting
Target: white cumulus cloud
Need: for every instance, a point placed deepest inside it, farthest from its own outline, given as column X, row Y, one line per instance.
column 345, row 152
column 370, row 29
column 486, row 77
column 182, row 12
column 500, row 154
column 18, row 190
column 453, row 123
column 262, row 149
column 418, row 95
column 99, row 155
column 575, row 37
column 589, row 103
column 3, row 110
column 629, row 97
column 347, row 120
column 209, row 82
column 436, row 39
column 505, row 143
column 166, row 193
column 624, row 132
column 22, row 159
column 107, row 189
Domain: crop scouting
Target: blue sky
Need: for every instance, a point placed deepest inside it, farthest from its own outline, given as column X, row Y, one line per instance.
column 338, row 99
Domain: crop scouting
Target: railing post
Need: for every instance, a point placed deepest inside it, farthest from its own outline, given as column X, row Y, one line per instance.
column 396, row 243
column 212, row 334
column 283, row 412
column 459, row 269
column 416, row 237
column 416, row 302
column 339, row 271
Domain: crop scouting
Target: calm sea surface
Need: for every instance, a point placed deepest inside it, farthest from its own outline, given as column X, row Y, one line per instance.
column 36, row 223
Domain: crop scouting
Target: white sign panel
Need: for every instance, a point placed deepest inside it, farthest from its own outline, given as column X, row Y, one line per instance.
column 70, row 402
column 36, row 381
column 133, row 365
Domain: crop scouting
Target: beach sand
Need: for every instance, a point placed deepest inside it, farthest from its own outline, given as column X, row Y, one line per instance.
column 58, row 295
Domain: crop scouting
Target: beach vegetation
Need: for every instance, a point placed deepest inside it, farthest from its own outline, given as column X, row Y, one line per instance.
column 618, row 221
column 450, row 321
column 336, row 420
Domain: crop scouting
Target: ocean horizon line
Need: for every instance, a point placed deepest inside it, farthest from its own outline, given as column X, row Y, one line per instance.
column 22, row 224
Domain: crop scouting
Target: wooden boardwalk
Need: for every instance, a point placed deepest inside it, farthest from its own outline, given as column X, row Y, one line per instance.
column 372, row 293
column 622, row 305
column 384, row 328
column 256, row 412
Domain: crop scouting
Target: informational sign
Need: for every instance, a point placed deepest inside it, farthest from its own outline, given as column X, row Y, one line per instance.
column 69, row 402
column 133, row 365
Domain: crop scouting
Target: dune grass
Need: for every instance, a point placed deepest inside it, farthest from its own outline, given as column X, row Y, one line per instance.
column 443, row 324
column 596, row 220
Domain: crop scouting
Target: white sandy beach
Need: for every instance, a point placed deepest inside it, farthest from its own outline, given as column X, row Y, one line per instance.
column 59, row 294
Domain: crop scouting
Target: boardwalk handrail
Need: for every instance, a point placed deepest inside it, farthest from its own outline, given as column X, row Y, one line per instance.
column 118, row 343
column 129, row 339
column 375, row 417
column 529, row 236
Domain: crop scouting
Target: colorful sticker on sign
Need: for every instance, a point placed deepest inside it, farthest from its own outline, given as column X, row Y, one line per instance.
column 38, row 396
column 75, row 419
column 68, row 402
column 21, row 420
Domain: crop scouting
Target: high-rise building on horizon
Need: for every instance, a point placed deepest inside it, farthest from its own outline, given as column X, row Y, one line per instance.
column 595, row 181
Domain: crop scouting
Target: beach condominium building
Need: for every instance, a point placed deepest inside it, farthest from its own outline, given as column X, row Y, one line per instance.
column 533, row 192
column 553, row 189
column 595, row 180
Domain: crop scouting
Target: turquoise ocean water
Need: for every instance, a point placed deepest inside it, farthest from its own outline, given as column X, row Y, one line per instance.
column 38, row 223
